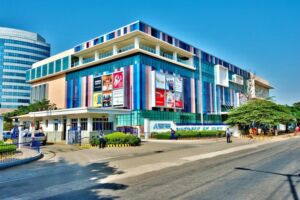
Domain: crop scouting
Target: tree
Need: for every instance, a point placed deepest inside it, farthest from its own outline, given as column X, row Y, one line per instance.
column 260, row 112
column 34, row 107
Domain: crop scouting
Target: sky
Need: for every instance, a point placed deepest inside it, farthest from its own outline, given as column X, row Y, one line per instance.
column 262, row 36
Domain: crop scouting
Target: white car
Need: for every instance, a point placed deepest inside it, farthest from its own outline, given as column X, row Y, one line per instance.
column 39, row 137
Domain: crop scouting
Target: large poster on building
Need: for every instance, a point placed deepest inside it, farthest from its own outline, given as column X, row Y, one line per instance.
column 178, row 100
column 178, row 84
column 118, row 80
column 170, row 99
column 170, row 82
column 107, row 99
column 98, row 84
column 160, row 98
column 107, row 82
column 118, row 97
column 160, row 81
column 97, row 96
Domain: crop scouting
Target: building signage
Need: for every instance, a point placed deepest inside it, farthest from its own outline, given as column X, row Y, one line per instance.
column 118, row 80
column 160, row 97
column 97, row 99
column 160, row 80
column 118, row 97
column 178, row 100
column 178, row 84
column 201, row 127
column 170, row 99
column 107, row 82
column 169, row 82
column 98, row 84
column 161, row 126
column 107, row 99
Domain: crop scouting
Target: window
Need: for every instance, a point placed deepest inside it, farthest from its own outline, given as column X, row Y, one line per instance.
column 51, row 68
column 83, row 124
column 57, row 66
column 74, row 124
column 97, row 124
column 46, row 123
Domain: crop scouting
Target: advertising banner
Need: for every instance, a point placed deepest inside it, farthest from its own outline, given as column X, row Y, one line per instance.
column 160, row 97
column 170, row 100
column 178, row 84
column 118, row 97
column 178, row 100
column 98, row 84
column 160, row 81
column 107, row 82
column 201, row 127
column 97, row 99
column 161, row 126
column 169, row 82
column 107, row 99
column 118, row 80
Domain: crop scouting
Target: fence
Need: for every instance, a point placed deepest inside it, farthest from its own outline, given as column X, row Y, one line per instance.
column 18, row 151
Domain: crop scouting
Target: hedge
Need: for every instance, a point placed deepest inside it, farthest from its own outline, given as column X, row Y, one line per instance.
column 7, row 147
column 117, row 138
column 189, row 134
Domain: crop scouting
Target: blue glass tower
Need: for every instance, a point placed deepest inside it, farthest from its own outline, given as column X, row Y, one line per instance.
column 18, row 51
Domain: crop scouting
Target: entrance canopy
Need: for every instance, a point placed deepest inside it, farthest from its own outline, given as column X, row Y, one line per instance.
column 73, row 111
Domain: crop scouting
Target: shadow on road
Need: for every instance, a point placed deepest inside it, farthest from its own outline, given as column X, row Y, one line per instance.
column 60, row 180
column 288, row 176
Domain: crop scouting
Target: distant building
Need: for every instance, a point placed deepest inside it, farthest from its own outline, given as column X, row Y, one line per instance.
column 258, row 87
column 18, row 51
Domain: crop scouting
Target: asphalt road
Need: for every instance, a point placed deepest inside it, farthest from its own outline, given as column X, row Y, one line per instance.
column 267, row 172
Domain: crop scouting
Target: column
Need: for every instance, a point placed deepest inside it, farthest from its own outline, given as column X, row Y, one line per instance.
column 80, row 60
column 90, row 124
column 68, row 128
column 175, row 56
column 157, row 49
column 136, row 42
column 115, row 50
column 96, row 55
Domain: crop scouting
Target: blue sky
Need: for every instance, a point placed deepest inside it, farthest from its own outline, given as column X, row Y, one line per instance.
column 258, row 35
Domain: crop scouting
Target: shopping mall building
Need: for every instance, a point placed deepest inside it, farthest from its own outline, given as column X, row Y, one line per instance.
column 136, row 76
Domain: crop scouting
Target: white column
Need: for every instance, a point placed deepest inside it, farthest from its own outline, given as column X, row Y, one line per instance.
column 96, row 55
column 90, row 124
column 68, row 128
column 136, row 42
column 80, row 60
column 191, row 61
column 115, row 50
column 157, row 49
column 175, row 56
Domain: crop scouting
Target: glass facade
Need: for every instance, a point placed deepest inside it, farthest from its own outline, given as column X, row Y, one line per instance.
column 18, row 51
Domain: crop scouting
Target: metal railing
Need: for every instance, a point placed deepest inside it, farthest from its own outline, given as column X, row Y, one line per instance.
column 149, row 49
column 106, row 54
column 126, row 48
column 87, row 60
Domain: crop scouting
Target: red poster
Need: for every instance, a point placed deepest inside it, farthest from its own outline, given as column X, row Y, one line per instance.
column 160, row 97
column 178, row 100
column 118, row 80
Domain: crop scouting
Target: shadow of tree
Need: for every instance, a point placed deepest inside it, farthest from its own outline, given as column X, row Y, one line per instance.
column 59, row 180
column 288, row 176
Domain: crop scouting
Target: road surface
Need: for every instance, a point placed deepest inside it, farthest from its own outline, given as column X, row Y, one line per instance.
column 267, row 172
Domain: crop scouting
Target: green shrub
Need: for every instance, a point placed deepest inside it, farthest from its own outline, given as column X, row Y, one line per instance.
column 1, row 142
column 189, row 134
column 94, row 141
column 7, row 148
column 122, row 138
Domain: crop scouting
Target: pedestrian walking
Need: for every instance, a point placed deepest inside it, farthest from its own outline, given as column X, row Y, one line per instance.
column 228, row 135
column 173, row 136
column 102, row 141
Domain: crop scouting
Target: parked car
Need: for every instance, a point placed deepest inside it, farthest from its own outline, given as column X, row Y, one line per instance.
column 39, row 137
column 6, row 135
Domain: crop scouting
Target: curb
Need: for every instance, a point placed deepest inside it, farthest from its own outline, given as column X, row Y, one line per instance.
column 118, row 145
column 20, row 162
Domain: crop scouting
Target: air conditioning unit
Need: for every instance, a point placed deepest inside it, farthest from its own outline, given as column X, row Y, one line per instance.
column 238, row 79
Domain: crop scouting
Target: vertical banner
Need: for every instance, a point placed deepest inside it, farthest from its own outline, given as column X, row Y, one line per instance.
column 107, row 99
column 170, row 99
column 118, row 80
column 169, row 82
column 178, row 100
column 107, row 82
column 98, row 84
column 160, row 80
column 160, row 98
column 97, row 99
column 118, row 97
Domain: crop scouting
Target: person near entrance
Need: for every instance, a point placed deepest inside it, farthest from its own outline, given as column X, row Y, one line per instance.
column 102, row 141
column 228, row 135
